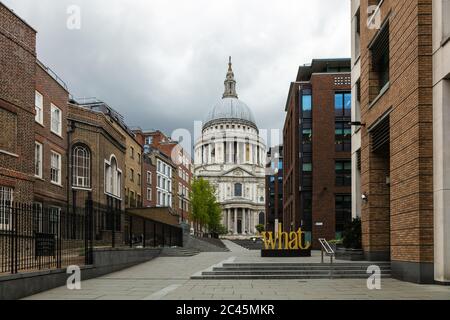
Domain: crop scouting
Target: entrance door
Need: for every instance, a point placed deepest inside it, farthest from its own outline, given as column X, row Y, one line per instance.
column 239, row 226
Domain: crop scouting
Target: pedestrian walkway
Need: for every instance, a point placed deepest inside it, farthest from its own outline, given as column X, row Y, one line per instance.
column 169, row 278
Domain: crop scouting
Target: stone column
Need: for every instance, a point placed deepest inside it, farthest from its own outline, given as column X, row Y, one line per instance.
column 235, row 220
column 238, row 152
column 228, row 219
column 251, row 153
column 244, row 220
column 230, row 153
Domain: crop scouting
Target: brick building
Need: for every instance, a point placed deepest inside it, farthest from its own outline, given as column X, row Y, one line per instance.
column 132, row 171
column 51, row 141
column 182, row 175
column 17, row 113
column 317, row 144
column 97, row 158
column 274, row 189
column 400, row 66
column 149, row 181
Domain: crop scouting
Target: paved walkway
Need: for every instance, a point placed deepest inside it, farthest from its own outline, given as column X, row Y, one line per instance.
column 169, row 278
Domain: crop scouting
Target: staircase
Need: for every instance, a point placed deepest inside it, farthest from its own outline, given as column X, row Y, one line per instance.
column 178, row 252
column 249, row 244
column 357, row 270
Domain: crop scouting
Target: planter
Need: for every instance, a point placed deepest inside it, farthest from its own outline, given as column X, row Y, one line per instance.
column 350, row 254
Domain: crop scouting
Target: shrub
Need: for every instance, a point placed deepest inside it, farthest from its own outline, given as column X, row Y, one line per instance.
column 352, row 235
column 260, row 228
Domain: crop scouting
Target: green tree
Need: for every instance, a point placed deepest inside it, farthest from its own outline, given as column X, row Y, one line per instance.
column 206, row 210
column 260, row 228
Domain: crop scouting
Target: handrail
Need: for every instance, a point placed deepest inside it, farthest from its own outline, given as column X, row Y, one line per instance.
column 325, row 247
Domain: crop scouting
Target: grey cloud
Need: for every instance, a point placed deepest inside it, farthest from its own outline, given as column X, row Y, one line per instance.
column 162, row 63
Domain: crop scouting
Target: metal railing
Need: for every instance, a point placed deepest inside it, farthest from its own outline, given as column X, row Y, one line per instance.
column 327, row 250
column 35, row 237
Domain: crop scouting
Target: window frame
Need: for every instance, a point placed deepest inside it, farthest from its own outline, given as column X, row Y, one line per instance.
column 39, row 114
column 5, row 214
column 76, row 167
column 52, row 120
column 41, row 159
column 58, row 169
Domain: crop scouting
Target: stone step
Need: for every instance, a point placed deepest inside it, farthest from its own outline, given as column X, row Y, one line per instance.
column 295, row 264
column 281, row 272
column 178, row 252
column 280, row 277
column 256, row 268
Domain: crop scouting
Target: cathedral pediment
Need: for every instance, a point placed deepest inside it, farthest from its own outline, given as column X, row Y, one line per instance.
column 238, row 172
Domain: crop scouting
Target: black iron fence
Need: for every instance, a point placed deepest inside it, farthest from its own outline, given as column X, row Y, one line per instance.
column 34, row 238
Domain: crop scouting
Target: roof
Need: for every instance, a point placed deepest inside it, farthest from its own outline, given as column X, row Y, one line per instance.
column 333, row 65
column 230, row 108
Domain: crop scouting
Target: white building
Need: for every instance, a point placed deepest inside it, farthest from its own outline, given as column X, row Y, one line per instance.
column 231, row 155
column 164, row 183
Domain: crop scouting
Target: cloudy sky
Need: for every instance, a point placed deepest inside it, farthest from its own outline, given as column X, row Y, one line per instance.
column 162, row 63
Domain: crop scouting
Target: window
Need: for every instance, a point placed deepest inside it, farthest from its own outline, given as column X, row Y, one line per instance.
column 56, row 120
column 306, row 131
column 55, row 168
column 238, row 190
column 139, row 158
column 357, row 33
column 307, row 167
column 380, row 60
column 113, row 178
column 139, row 179
column 446, row 19
column 81, row 167
column 39, row 108
column 37, row 217
column 357, row 113
column 132, row 152
column 149, row 177
column 149, row 140
column 38, row 160
column 343, row 104
column 149, row 194
column 159, row 198
column 343, row 136
column 343, row 173
column 131, row 175
column 54, row 214
column 159, row 182
column 343, row 207
column 306, row 104
column 6, row 199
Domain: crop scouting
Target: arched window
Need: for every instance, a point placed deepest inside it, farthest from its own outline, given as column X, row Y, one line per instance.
column 81, row 167
column 238, row 190
column 113, row 177
column 262, row 219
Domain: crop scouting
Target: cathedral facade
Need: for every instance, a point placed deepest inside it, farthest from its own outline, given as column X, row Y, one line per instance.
column 231, row 155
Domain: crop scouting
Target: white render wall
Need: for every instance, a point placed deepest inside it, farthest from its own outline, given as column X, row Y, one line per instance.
column 441, row 142
column 356, row 134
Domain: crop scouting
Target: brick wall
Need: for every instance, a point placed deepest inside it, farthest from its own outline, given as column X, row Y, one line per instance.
column 324, row 155
column 94, row 130
column 400, row 222
column 17, row 82
column 53, row 93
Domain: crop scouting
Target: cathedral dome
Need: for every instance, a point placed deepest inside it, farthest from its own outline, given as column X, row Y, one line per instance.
column 230, row 108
